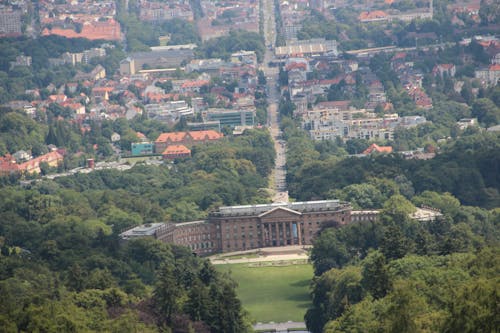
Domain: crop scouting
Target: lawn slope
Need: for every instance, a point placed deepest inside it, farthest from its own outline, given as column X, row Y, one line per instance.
column 276, row 294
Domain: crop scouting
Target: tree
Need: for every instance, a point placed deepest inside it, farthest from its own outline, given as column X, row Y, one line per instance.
column 333, row 293
column 394, row 245
column 445, row 202
column 398, row 208
column 403, row 307
column 364, row 196
column 328, row 252
column 226, row 313
column 486, row 111
column 375, row 276
column 198, row 304
column 475, row 308
column 166, row 293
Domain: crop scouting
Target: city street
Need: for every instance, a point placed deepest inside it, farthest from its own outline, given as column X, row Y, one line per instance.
column 273, row 96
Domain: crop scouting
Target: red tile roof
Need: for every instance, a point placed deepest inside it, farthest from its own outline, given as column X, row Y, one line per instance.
column 374, row 15
column 103, row 89
column 195, row 84
column 376, row 148
column 446, row 66
column 296, row 65
column 108, row 30
column 205, row 135
column 176, row 149
column 8, row 164
column 195, row 135
column 341, row 105
column 172, row 137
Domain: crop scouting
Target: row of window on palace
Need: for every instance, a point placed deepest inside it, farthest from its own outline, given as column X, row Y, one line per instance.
column 281, row 242
column 309, row 216
column 235, row 228
column 201, row 246
column 193, row 238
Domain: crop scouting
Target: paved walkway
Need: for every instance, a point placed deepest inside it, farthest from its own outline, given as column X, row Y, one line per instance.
column 282, row 253
column 281, row 327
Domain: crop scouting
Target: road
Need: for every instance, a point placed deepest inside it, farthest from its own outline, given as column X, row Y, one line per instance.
column 273, row 96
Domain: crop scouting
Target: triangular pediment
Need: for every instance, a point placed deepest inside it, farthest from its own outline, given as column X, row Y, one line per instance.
column 280, row 212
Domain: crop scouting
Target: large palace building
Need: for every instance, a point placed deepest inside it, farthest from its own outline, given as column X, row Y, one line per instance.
column 238, row 228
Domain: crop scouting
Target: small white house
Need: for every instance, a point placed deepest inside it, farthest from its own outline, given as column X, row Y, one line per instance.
column 115, row 137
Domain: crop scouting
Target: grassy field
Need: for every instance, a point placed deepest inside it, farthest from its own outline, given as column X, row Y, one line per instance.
column 276, row 294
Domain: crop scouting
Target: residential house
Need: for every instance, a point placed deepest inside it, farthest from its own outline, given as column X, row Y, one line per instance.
column 115, row 137
column 102, row 93
column 176, row 151
column 9, row 165
column 373, row 16
column 467, row 122
column 193, row 86
column 488, row 76
column 374, row 148
column 22, row 156
column 77, row 108
column 21, row 60
column 442, row 69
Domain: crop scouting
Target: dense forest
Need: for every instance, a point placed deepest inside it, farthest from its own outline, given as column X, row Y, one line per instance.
column 467, row 168
column 63, row 267
column 397, row 274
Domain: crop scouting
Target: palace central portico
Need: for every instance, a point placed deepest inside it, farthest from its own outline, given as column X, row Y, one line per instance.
column 238, row 228
column 278, row 224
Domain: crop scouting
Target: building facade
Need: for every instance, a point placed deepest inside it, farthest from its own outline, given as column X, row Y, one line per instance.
column 188, row 139
column 142, row 148
column 10, row 22
column 239, row 228
column 231, row 117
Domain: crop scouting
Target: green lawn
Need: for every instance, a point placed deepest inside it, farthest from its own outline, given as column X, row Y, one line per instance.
column 276, row 294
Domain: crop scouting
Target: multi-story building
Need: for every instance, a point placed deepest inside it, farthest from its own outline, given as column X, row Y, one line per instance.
column 159, row 57
column 10, row 22
column 161, row 11
column 168, row 111
column 185, row 138
column 311, row 47
column 142, row 148
column 9, row 165
column 238, row 228
column 21, row 60
column 488, row 76
column 330, row 123
column 127, row 66
column 231, row 117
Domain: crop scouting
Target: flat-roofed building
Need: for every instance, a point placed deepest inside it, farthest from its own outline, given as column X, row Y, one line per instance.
column 312, row 47
column 153, row 230
column 10, row 22
column 231, row 117
column 162, row 58
column 142, row 148
column 238, row 228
